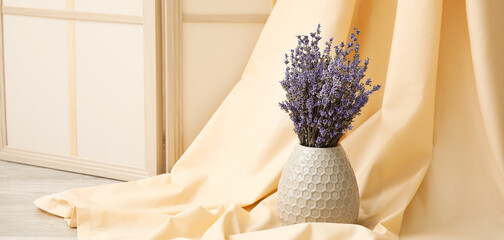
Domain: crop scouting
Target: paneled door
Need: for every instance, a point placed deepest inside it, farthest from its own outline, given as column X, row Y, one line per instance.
column 80, row 86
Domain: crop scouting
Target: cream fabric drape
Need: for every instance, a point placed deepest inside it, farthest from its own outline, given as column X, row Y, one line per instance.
column 427, row 150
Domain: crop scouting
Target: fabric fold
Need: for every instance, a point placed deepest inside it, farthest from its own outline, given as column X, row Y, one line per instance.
column 462, row 194
column 393, row 166
column 486, row 23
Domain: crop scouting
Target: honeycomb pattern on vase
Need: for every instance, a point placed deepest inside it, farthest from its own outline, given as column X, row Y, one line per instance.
column 318, row 185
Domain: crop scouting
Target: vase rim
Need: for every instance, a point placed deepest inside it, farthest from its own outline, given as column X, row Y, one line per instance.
column 339, row 145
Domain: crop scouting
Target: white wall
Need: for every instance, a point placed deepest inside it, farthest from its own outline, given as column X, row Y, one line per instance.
column 218, row 38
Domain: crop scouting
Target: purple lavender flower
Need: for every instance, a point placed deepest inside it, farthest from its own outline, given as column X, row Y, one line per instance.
column 324, row 93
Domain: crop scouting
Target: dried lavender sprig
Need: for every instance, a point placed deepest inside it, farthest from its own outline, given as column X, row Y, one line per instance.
column 324, row 93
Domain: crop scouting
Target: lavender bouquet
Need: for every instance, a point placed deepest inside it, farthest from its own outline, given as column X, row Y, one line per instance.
column 324, row 92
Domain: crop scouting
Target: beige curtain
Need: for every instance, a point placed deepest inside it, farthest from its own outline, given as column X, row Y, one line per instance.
column 427, row 150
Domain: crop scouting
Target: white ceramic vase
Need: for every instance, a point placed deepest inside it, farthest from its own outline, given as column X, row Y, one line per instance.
column 318, row 185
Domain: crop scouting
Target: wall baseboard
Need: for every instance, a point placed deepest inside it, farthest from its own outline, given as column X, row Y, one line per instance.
column 72, row 164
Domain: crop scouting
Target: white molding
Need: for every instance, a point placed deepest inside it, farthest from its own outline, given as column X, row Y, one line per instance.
column 73, row 15
column 73, row 164
column 152, row 91
column 72, row 82
column 171, row 12
column 3, row 117
column 225, row 18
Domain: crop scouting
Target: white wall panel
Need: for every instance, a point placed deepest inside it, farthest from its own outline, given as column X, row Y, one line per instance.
column 110, row 93
column 46, row 4
column 36, row 83
column 228, row 6
column 125, row 7
column 215, row 55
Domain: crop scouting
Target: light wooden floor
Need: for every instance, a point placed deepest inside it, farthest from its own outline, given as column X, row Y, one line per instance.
column 20, row 185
